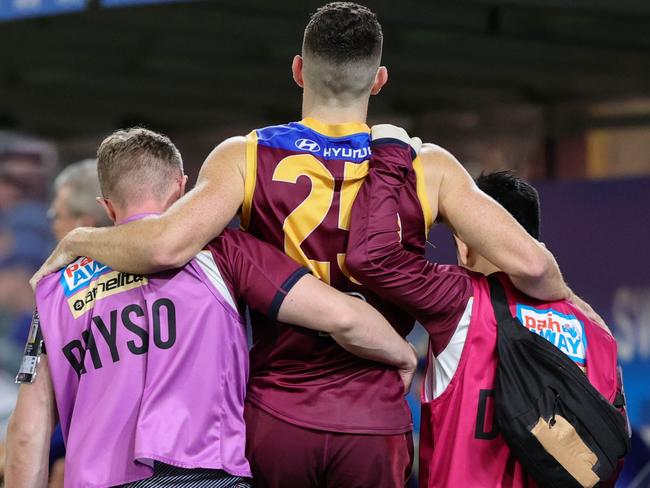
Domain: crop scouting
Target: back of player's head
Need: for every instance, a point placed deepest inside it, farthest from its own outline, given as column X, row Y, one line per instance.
column 342, row 50
column 515, row 195
column 136, row 164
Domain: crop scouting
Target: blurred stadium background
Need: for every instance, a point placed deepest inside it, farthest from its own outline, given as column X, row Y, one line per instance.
column 557, row 90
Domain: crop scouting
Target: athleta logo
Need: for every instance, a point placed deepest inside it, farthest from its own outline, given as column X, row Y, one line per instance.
column 108, row 284
column 565, row 332
column 307, row 145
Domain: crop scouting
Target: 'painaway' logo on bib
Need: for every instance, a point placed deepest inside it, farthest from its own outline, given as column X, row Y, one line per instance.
column 565, row 332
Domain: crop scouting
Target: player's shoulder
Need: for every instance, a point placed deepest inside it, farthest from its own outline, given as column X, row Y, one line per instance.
column 441, row 169
column 434, row 155
column 435, row 162
column 228, row 153
column 228, row 243
column 233, row 149
column 232, row 144
column 272, row 132
column 236, row 239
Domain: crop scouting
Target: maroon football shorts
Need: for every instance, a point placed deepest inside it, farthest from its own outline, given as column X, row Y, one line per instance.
column 283, row 455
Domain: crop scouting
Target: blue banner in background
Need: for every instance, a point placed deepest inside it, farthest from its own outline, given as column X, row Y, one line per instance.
column 16, row 9
column 124, row 3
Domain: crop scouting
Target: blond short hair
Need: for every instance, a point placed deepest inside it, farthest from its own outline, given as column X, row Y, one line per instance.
column 137, row 162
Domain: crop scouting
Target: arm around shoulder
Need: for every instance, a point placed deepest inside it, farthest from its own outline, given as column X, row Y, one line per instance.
column 353, row 323
column 487, row 227
column 173, row 238
column 201, row 215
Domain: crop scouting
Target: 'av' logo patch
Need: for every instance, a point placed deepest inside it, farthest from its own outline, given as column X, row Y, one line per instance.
column 566, row 332
column 80, row 273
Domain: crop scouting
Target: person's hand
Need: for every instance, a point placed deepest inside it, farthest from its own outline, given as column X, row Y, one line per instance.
column 60, row 257
column 589, row 312
column 407, row 373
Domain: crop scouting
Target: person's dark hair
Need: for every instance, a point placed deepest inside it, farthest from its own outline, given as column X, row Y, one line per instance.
column 342, row 46
column 515, row 195
column 341, row 32
column 137, row 162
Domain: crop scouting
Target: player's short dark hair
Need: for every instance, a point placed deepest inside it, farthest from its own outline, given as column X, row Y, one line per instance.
column 345, row 40
column 515, row 195
column 135, row 162
column 342, row 32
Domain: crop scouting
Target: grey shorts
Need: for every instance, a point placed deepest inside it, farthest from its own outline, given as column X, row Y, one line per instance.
column 165, row 475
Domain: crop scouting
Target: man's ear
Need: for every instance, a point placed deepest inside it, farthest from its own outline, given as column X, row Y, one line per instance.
column 296, row 70
column 381, row 78
column 462, row 252
column 183, row 184
column 107, row 205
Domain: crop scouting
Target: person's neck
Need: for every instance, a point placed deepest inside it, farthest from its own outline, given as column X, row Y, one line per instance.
column 129, row 213
column 332, row 111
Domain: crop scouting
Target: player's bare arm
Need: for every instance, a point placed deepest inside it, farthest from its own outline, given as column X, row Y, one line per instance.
column 173, row 238
column 29, row 432
column 484, row 225
column 354, row 324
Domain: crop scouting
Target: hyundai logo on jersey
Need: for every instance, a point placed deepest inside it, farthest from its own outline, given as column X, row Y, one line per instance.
column 352, row 147
column 307, row 145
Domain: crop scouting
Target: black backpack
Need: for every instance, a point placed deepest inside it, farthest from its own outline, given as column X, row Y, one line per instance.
column 558, row 426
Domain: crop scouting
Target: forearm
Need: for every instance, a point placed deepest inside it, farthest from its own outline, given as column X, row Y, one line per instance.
column 494, row 234
column 145, row 246
column 375, row 255
column 374, row 217
column 27, row 456
column 489, row 230
column 29, row 432
column 367, row 334
column 350, row 321
column 172, row 238
column 548, row 285
column 164, row 241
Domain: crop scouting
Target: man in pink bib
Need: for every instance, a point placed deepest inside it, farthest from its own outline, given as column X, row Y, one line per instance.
column 149, row 373
column 459, row 444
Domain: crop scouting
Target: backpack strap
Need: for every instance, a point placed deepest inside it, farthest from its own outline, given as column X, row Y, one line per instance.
column 499, row 300
column 619, row 400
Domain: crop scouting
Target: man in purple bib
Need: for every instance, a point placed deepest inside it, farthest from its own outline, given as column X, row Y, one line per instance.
column 148, row 374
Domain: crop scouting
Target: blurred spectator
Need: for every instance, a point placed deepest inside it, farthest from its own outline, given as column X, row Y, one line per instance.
column 24, row 235
column 74, row 204
column 25, row 241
